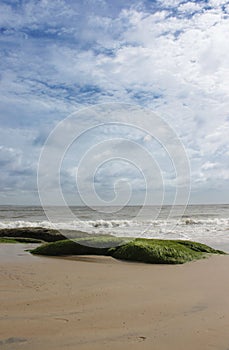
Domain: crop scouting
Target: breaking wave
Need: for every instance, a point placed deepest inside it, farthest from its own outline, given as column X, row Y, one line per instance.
column 203, row 230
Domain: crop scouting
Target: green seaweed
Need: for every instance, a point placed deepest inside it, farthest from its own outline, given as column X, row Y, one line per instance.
column 7, row 240
column 40, row 233
column 103, row 241
column 19, row 240
column 200, row 247
column 154, row 251
column 99, row 245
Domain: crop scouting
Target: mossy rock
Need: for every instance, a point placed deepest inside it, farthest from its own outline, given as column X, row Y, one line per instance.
column 200, row 247
column 103, row 241
column 19, row 240
column 156, row 252
column 152, row 251
column 7, row 240
column 99, row 245
column 40, row 233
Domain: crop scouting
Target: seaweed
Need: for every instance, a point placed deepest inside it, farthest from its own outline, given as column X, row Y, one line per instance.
column 154, row 251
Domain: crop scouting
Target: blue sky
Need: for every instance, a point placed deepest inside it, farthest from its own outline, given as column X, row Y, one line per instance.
column 169, row 56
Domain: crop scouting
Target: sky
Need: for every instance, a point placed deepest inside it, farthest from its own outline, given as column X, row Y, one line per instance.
column 61, row 58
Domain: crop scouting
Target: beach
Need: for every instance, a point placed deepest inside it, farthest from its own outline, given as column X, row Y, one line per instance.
column 114, row 196
column 91, row 302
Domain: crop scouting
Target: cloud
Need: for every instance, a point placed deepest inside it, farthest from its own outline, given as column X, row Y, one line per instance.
column 16, row 175
column 170, row 56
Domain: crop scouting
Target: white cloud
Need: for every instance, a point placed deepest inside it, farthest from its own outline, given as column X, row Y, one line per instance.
column 208, row 165
column 173, row 59
column 189, row 7
column 17, row 174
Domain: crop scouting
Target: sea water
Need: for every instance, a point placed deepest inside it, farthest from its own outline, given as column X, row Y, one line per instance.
column 207, row 224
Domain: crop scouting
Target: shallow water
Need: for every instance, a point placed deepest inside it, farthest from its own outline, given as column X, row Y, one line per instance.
column 16, row 253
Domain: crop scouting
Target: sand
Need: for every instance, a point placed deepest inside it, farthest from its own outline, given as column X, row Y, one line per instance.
column 101, row 303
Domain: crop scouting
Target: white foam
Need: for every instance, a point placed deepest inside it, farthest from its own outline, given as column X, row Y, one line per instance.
column 210, row 229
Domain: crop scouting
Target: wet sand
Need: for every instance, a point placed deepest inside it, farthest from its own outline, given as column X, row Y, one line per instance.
column 101, row 303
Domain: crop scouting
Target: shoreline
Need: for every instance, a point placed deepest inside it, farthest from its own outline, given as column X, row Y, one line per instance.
column 101, row 303
column 52, row 235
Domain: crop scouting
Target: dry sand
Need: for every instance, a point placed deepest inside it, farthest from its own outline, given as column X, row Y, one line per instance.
column 101, row 303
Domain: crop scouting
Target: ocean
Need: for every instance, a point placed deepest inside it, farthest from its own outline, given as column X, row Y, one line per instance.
column 207, row 224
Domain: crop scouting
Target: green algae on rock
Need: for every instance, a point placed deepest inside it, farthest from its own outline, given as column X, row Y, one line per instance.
column 19, row 240
column 154, row 251
column 41, row 233
column 158, row 251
